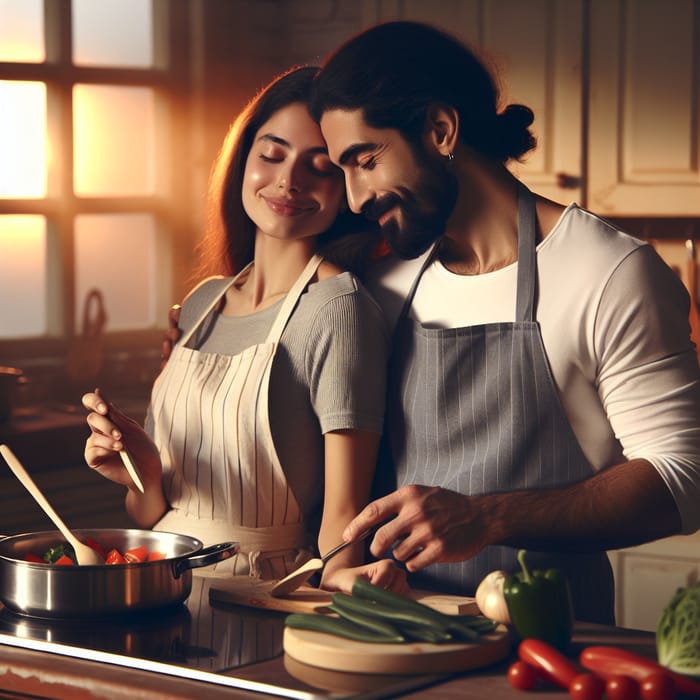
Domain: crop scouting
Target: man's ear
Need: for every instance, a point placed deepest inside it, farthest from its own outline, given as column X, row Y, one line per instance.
column 442, row 129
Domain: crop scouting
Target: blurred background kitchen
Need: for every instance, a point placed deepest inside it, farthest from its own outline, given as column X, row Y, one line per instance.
column 111, row 112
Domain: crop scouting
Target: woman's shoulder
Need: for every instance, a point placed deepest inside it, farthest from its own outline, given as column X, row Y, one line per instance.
column 200, row 296
column 206, row 288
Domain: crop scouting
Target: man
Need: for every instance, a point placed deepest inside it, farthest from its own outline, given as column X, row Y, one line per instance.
column 545, row 393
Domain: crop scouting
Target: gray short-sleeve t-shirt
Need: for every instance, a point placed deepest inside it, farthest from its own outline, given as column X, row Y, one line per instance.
column 329, row 372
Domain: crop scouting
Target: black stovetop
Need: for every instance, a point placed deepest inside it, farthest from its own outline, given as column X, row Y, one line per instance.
column 212, row 642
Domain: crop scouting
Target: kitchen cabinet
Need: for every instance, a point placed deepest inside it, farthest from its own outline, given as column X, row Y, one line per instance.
column 614, row 86
column 644, row 121
column 646, row 577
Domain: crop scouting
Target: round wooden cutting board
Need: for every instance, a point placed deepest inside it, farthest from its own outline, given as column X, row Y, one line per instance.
column 336, row 653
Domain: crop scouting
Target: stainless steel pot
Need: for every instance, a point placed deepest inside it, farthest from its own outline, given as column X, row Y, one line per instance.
column 44, row 590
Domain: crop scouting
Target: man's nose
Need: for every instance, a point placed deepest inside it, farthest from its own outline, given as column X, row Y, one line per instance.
column 357, row 196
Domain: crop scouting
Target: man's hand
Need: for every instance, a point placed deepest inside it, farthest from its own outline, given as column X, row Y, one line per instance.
column 430, row 525
column 172, row 334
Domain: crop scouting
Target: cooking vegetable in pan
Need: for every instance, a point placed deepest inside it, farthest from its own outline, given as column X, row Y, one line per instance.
column 63, row 554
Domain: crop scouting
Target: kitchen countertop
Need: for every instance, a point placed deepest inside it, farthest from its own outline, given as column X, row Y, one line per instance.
column 39, row 673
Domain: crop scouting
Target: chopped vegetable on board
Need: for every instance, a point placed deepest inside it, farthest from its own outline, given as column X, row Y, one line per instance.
column 539, row 603
column 372, row 614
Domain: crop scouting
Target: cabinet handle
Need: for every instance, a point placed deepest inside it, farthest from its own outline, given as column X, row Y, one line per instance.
column 568, row 182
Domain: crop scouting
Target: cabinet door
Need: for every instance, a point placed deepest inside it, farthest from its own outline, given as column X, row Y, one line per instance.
column 648, row 584
column 644, row 145
column 534, row 48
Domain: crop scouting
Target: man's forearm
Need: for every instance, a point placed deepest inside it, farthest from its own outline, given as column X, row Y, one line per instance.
column 622, row 506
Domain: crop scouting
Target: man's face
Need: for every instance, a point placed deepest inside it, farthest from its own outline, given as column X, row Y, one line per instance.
column 409, row 193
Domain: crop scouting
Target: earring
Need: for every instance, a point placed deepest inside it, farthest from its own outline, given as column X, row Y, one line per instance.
column 450, row 156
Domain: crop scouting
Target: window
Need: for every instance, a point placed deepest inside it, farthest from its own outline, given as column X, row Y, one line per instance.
column 93, row 117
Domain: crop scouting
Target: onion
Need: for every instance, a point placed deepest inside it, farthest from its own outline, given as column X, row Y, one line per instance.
column 490, row 598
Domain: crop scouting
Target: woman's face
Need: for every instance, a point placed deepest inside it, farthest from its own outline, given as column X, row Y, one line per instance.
column 291, row 189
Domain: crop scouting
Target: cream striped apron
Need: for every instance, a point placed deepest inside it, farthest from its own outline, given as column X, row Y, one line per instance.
column 221, row 473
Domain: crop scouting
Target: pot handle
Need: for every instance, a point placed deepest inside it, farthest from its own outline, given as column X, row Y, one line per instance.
column 209, row 555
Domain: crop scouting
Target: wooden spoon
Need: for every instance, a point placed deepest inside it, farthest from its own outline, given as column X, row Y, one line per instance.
column 85, row 555
column 299, row 576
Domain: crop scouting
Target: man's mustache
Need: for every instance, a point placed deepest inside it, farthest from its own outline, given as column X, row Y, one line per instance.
column 375, row 208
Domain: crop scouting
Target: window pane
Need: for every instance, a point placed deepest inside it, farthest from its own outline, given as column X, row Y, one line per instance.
column 22, row 31
column 22, row 139
column 114, row 140
column 23, row 282
column 113, row 33
column 116, row 253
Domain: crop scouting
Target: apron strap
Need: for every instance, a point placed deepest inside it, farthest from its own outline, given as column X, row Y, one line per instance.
column 414, row 285
column 526, row 293
column 285, row 312
column 292, row 297
column 527, row 256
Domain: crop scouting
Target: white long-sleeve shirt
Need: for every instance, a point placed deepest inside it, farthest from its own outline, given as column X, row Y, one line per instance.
column 614, row 322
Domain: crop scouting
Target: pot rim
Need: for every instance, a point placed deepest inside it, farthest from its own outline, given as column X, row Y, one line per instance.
column 178, row 539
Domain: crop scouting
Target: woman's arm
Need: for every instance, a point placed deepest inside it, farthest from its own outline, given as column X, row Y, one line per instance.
column 350, row 458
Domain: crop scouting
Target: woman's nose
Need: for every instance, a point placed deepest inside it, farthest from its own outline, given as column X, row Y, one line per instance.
column 289, row 179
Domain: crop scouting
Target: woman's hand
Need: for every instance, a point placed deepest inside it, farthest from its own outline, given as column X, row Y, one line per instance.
column 383, row 573
column 111, row 430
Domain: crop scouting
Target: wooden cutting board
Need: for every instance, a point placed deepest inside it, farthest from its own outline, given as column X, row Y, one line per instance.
column 243, row 590
column 336, row 653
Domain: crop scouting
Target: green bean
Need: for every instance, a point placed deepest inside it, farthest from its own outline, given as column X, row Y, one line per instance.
column 398, row 617
column 372, row 623
column 339, row 627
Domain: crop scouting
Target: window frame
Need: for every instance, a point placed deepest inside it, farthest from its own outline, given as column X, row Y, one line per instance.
column 171, row 78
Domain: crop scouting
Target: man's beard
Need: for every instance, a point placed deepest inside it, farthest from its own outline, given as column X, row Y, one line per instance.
column 424, row 210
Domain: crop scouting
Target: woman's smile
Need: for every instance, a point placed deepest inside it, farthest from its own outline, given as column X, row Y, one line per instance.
column 288, row 207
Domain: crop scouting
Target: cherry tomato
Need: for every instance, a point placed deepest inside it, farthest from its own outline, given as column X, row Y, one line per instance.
column 114, row 556
column 522, row 676
column 136, row 554
column 658, row 686
column 64, row 561
column 622, row 688
column 587, row 686
column 95, row 545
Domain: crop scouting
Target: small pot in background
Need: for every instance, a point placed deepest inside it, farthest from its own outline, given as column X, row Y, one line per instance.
column 9, row 379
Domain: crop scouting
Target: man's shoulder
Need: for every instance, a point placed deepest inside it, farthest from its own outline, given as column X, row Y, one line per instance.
column 389, row 280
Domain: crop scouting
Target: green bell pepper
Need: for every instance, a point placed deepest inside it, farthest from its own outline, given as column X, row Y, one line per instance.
column 539, row 603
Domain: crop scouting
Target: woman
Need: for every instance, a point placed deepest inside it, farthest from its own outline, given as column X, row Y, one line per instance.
column 288, row 327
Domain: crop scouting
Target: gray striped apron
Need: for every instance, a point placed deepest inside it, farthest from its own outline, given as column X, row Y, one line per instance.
column 476, row 410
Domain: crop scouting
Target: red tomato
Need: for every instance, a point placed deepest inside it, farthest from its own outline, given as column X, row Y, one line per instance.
column 33, row 558
column 95, row 545
column 114, row 557
column 658, row 686
column 613, row 661
column 622, row 688
column 136, row 554
column 522, row 676
column 64, row 561
column 155, row 556
column 587, row 686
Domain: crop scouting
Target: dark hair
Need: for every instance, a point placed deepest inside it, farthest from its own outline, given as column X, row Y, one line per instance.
column 394, row 71
column 229, row 239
